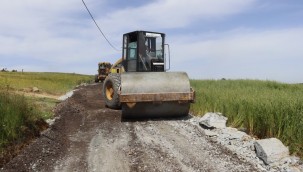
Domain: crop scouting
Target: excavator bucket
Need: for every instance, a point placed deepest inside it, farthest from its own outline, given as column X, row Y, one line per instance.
column 155, row 94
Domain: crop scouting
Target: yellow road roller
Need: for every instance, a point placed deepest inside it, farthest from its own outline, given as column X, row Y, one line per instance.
column 139, row 83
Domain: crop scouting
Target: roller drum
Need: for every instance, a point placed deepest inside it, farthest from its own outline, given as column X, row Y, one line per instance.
column 155, row 94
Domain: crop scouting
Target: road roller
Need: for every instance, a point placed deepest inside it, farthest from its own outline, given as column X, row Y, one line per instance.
column 139, row 83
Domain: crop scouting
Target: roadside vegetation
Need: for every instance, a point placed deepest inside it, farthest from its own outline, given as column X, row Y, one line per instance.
column 22, row 117
column 51, row 83
column 263, row 108
column 18, row 118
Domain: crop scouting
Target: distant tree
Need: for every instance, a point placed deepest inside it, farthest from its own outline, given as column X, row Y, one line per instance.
column 4, row 70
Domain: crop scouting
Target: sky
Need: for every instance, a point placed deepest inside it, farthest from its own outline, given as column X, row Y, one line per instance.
column 209, row 39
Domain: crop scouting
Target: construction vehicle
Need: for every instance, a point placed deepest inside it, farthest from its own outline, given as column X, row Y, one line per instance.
column 139, row 84
column 103, row 71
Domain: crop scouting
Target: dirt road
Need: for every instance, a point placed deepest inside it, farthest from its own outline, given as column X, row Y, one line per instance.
column 89, row 137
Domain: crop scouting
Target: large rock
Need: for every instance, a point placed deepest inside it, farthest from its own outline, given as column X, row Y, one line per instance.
column 35, row 89
column 213, row 120
column 271, row 150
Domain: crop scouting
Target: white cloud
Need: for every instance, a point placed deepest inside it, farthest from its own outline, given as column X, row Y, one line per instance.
column 272, row 54
column 172, row 14
column 61, row 31
column 271, row 44
column 49, row 31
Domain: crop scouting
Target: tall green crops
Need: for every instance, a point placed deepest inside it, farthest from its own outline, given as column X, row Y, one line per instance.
column 263, row 108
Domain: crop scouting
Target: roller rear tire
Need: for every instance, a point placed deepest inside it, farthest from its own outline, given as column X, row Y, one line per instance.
column 110, row 91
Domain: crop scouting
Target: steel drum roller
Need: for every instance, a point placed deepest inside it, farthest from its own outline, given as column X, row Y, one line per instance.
column 155, row 94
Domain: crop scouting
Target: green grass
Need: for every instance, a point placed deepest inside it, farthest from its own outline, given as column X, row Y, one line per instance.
column 20, row 115
column 51, row 83
column 17, row 116
column 44, row 105
column 264, row 108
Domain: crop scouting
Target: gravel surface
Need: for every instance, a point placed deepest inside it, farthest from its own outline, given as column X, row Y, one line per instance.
column 86, row 136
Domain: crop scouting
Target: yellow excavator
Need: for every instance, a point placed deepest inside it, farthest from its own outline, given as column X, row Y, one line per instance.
column 139, row 84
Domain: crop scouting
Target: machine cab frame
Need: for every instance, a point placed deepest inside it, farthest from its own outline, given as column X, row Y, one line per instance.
column 143, row 51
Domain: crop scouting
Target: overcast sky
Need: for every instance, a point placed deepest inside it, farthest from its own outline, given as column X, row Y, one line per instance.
column 209, row 39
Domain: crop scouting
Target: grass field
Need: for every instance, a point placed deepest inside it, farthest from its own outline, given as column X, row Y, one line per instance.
column 21, row 115
column 51, row 83
column 263, row 108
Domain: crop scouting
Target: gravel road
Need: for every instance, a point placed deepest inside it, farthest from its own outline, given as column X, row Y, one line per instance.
column 86, row 136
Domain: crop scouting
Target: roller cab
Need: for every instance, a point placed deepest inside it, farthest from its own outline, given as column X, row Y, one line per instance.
column 139, row 83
